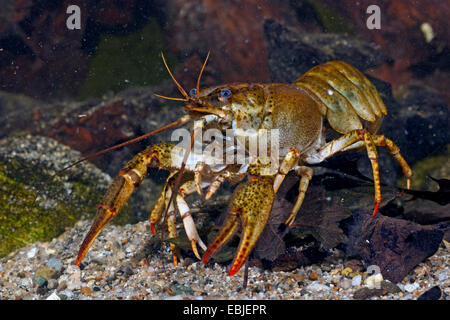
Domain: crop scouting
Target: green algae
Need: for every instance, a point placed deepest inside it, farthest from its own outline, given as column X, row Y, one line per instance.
column 24, row 221
column 122, row 61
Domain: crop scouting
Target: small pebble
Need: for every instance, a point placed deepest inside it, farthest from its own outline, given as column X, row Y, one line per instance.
column 55, row 264
column 53, row 296
column 346, row 284
column 86, row 291
column 31, row 253
column 346, row 271
column 409, row 287
column 356, row 281
column 313, row 276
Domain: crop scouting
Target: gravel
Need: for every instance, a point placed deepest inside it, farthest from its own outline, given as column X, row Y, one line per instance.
column 120, row 265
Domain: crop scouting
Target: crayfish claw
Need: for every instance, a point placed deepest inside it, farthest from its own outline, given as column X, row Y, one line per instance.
column 194, row 249
column 250, row 208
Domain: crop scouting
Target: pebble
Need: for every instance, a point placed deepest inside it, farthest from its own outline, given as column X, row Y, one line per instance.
column 53, row 296
column 390, row 287
column 346, row 284
column 52, row 284
column 74, row 281
column 86, row 291
column 157, row 278
column 410, row 287
column 317, row 287
column 356, row 280
column 313, row 276
column 365, row 293
column 40, row 281
column 354, row 264
column 346, row 271
column 31, row 253
column 55, row 264
column 46, row 272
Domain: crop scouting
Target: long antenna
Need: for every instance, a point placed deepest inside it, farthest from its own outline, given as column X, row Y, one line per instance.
column 179, row 122
column 173, row 78
column 201, row 72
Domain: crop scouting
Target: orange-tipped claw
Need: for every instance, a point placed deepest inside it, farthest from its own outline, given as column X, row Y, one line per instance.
column 104, row 215
column 116, row 196
column 152, row 227
column 250, row 208
column 377, row 204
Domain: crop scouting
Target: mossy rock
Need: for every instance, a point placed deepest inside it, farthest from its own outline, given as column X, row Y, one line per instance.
column 26, row 163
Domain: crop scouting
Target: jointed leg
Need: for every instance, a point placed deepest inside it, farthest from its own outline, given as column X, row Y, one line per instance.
column 382, row 141
column 355, row 138
column 306, row 175
column 191, row 231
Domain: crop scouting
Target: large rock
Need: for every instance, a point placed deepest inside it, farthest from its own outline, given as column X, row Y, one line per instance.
column 26, row 163
column 396, row 246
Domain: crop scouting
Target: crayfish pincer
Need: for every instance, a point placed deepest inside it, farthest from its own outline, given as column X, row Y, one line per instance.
column 333, row 95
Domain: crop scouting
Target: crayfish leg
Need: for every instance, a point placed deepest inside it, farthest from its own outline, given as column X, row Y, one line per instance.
column 306, row 175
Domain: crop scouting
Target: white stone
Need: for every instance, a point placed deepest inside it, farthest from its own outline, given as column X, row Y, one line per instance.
column 31, row 253
column 410, row 287
column 317, row 287
column 356, row 280
column 53, row 296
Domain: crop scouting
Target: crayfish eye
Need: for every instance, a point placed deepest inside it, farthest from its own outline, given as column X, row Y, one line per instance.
column 193, row 93
column 225, row 93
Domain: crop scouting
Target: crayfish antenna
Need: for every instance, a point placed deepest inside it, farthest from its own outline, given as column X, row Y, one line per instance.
column 183, row 120
column 200, row 75
column 180, row 88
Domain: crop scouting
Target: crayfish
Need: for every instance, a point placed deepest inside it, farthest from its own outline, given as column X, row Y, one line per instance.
column 333, row 94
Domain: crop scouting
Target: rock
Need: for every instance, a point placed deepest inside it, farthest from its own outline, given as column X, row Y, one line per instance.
column 86, row 291
column 409, row 287
column 47, row 273
column 55, row 264
column 313, row 276
column 365, row 293
column 52, row 284
column 61, row 285
column 356, row 281
column 40, row 281
column 53, row 296
column 346, row 271
column 317, row 287
column 31, row 253
column 432, row 294
column 74, row 279
column 26, row 163
column 345, row 284
column 395, row 246
column 389, row 287
column 355, row 265
column 293, row 52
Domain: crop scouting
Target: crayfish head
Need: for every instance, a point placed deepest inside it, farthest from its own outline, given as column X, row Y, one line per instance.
column 241, row 103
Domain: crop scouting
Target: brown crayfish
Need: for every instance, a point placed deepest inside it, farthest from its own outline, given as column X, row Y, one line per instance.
column 333, row 94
